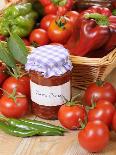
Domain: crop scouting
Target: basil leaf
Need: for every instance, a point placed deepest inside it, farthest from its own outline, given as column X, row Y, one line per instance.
column 6, row 56
column 17, row 48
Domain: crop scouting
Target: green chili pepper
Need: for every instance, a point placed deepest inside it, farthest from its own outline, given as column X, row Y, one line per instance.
column 19, row 132
column 18, row 19
column 16, row 131
column 42, row 127
column 39, row 124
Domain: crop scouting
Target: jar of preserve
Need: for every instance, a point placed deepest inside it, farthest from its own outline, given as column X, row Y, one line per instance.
column 49, row 68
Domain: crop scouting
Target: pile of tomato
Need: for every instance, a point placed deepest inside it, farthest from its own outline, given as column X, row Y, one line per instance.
column 14, row 93
column 94, row 116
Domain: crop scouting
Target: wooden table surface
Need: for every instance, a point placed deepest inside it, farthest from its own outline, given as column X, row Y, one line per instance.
column 64, row 145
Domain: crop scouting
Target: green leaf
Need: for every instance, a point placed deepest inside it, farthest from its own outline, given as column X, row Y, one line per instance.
column 17, row 48
column 6, row 56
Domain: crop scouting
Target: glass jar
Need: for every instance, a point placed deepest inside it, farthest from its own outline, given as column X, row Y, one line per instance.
column 50, row 78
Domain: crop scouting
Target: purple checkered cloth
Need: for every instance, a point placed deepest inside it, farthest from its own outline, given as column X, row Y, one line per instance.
column 49, row 60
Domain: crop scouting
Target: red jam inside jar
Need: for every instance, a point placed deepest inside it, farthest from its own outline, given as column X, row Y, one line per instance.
column 48, row 112
column 49, row 68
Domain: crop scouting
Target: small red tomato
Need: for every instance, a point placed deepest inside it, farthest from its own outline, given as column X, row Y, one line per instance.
column 51, row 9
column 103, row 111
column 70, row 116
column 94, row 137
column 14, row 107
column 46, row 20
column 60, row 30
column 114, row 122
column 26, row 41
column 98, row 91
column 39, row 36
column 61, row 10
column 3, row 73
column 21, row 85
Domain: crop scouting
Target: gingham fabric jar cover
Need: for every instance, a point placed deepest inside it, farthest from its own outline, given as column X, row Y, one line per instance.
column 49, row 60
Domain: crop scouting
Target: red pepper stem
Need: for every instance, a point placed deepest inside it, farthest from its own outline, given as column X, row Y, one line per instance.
column 99, row 18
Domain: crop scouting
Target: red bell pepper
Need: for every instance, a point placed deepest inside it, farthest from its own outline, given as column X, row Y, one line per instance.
column 59, row 7
column 96, row 30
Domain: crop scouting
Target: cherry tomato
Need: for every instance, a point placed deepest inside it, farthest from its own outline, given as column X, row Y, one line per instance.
column 39, row 36
column 94, row 137
column 12, row 108
column 50, row 9
column 70, row 116
column 73, row 16
column 60, row 30
column 103, row 111
column 97, row 92
column 3, row 73
column 26, row 41
column 46, row 20
column 21, row 85
column 61, row 10
column 114, row 122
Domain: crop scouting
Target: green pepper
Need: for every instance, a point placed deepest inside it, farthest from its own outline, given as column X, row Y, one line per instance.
column 20, row 132
column 19, row 19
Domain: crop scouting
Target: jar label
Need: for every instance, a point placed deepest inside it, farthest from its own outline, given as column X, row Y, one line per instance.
column 50, row 95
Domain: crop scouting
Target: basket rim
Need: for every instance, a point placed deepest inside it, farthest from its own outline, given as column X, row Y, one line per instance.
column 110, row 58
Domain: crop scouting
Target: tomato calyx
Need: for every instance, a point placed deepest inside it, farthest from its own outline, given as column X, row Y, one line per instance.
column 82, row 123
column 13, row 95
column 73, row 101
column 18, row 72
column 59, row 2
column 99, row 83
column 61, row 22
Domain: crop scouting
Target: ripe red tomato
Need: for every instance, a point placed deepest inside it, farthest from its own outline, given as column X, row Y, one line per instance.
column 61, row 10
column 70, row 116
column 14, row 109
column 104, row 91
column 60, row 30
column 21, row 85
column 39, row 36
column 46, row 20
column 3, row 73
column 50, row 9
column 26, row 41
column 114, row 122
column 73, row 16
column 103, row 111
column 94, row 137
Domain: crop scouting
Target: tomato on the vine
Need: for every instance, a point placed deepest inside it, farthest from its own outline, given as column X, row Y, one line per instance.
column 15, row 106
column 60, row 30
column 114, row 122
column 94, row 137
column 103, row 111
column 21, row 84
column 46, row 20
column 71, row 116
column 50, row 9
column 100, row 90
column 39, row 37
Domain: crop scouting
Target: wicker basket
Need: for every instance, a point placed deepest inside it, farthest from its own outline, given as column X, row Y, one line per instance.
column 86, row 70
